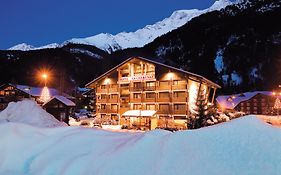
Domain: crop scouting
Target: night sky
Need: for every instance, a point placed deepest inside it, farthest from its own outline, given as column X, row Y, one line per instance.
column 40, row 22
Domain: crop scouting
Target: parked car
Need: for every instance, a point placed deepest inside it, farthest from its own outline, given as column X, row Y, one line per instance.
column 83, row 113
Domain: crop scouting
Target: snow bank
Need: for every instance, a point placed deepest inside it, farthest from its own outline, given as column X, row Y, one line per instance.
column 28, row 112
column 241, row 146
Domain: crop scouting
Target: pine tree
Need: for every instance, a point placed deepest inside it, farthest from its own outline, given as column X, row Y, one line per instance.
column 201, row 113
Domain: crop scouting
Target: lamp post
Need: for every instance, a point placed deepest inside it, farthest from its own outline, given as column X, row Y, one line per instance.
column 45, row 76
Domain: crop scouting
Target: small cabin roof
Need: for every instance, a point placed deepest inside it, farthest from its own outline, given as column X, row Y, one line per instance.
column 61, row 99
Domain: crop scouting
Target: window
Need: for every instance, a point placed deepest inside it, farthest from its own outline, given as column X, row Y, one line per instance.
column 179, row 117
column 150, row 95
column 103, row 106
column 179, row 107
column 103, row 86
column 179, row 94
column 137, row 85
column 137, row 95
column 114, row 107
column 164, row 95
column 164, row 83
column 150, row 84
column 150, row 107
column 103, row 96
column 114, row 96
column 163, row 107
column 137, row 106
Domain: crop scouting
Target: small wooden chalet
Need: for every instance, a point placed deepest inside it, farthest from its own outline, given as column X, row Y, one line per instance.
column 60, row 107
column 13, row 92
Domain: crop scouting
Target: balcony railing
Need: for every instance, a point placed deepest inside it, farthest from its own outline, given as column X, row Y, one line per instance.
column 180, row 111
column 100, row 90
column 134, row 89
column 164, row 111
column 163, row 99
column 179, row 99
column 113, row 100
column 179, row 87
column 149, row 99
column 135, row 100
column 102, row 100
column 106, row 110
column 149, row 88
column 164, row 87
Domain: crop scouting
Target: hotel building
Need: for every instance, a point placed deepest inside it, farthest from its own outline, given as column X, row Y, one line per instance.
column 144, row 94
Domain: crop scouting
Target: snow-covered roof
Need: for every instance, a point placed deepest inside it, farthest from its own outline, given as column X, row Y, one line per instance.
column 139, row 113
column 36, row 91
column 62, row 99
column 231, row 101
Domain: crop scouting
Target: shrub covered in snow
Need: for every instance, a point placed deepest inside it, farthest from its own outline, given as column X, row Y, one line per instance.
column 28, row 112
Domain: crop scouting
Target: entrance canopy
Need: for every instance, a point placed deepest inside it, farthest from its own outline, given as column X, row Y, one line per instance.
column 139, row 113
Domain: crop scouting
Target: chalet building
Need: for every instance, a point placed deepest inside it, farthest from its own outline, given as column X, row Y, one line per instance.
column 12, row 92
column 60, row 107
column 259, row 102
column 144, row 94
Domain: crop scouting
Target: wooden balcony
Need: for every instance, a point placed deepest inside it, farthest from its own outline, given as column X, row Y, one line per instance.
column 180, row 111
column 164, row 111
column 179, row 99
column 136, row 89
column 113, row 100
column 113, row 88
column 163, row 99
column 99, row 90
column 149, row 100
column 179, row 87
column 159, row 88
column 135, row 100
column 102, row 100
column 107, row 110
column 149, row 88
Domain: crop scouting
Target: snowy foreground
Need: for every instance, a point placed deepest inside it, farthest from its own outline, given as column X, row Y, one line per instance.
column 242, row 146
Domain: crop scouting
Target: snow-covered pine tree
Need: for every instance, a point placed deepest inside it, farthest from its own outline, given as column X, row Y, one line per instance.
column 201, row 113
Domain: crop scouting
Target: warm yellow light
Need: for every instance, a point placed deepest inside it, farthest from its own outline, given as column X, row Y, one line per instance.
column 170, row 75
column 273, row 93
column 45, row 76
column 107, row 81
column 233, row 97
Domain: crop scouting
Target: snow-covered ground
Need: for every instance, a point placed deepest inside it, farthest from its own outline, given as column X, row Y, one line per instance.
column 242, row 146
column 28, row 112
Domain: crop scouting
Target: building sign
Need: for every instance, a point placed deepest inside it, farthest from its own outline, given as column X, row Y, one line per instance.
column 138, row 78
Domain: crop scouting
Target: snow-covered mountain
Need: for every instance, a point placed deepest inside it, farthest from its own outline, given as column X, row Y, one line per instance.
column 139, row 38
column 27, row 47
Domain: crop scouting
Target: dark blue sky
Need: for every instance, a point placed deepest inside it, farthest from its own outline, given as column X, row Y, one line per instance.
column 40, row 22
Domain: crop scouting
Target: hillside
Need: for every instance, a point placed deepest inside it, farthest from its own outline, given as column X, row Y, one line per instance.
column 238, row 47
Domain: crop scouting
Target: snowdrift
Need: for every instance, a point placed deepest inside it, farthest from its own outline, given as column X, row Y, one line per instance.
column 242, row 146
column 28, row 112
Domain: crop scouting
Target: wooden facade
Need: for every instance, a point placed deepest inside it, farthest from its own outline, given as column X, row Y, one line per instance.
column 60, row 107
column 142, row 84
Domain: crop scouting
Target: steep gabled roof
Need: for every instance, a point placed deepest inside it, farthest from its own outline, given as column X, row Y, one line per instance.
column 157, row 63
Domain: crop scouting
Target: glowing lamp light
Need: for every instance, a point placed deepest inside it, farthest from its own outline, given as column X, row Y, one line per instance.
column 273, row 93
column 170, row 75
column 233, row 97
column 45, row 76
column 107, row 81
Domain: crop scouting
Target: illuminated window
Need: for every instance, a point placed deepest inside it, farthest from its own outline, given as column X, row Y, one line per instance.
column 150, row 107
column 137, row 95
column 150, row 95
column 137, row 106
column 164, row 95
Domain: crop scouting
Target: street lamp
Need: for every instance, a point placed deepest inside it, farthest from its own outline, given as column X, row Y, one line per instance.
column 45, row 76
